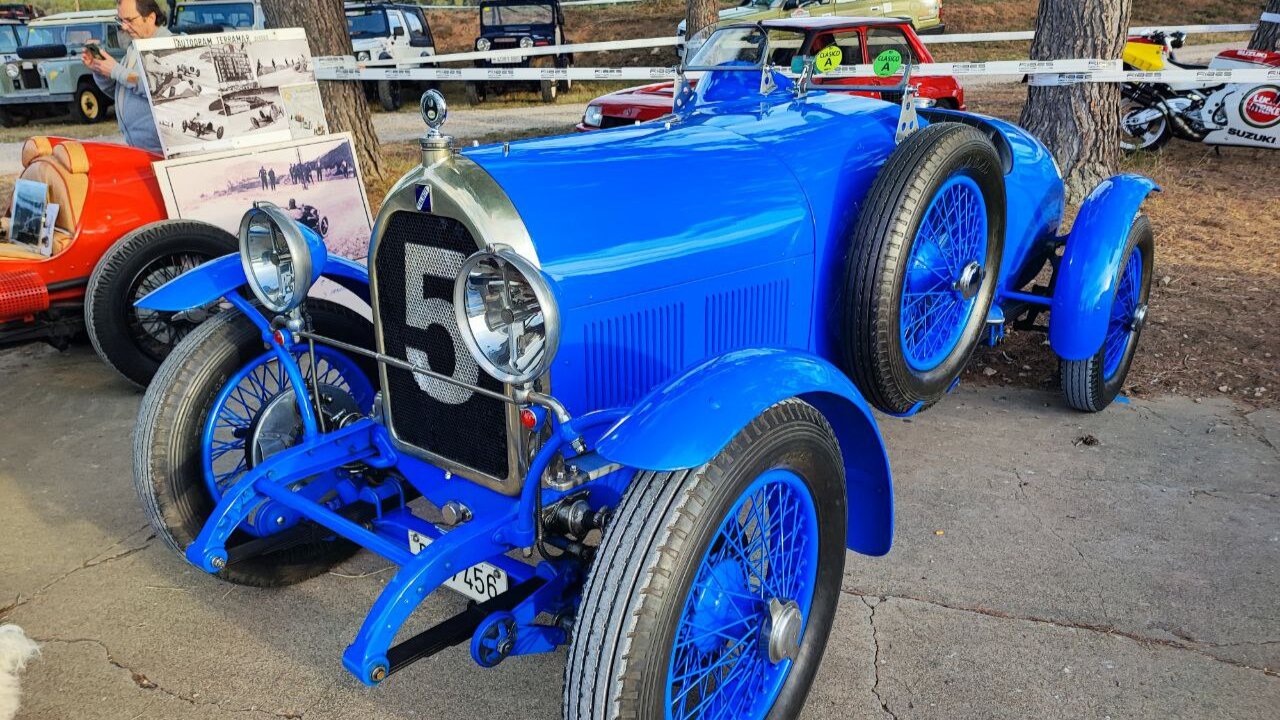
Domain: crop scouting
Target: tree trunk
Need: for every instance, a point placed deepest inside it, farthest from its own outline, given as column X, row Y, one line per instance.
column 346, row 107
column 1079, row 123
column 1267, row 36
column 699, row 21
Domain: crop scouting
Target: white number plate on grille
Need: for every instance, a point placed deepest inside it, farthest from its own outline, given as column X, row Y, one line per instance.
column 506, row 59
column 480, row 582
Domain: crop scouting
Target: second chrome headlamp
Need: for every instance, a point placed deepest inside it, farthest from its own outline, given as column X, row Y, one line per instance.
column 507, row 314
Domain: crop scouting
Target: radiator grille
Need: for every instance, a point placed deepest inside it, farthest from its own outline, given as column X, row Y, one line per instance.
column 31, row 79
column 629, row 354
column 613, row 121
column 417, row 261
column 754, row 316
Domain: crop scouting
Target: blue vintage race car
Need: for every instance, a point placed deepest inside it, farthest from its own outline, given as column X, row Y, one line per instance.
column 662, row 410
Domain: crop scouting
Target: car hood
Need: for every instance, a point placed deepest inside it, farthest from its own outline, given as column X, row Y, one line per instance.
column 636, row 208
column 741, row 11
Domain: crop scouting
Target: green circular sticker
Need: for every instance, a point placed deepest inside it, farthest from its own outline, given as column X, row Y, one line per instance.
column 887, row 63
column 828, row 58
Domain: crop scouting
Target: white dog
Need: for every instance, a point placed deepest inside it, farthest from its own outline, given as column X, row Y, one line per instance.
column 15, row 650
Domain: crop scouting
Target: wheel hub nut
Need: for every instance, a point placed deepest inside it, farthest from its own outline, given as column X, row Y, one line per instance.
column 970, row 280
column 1139, row 318
column 783, row 634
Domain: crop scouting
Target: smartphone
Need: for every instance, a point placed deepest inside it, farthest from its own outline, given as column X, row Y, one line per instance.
column 95, row 51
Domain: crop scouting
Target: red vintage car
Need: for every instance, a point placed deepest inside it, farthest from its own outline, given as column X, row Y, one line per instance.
column 860, row 39
column 112, row 244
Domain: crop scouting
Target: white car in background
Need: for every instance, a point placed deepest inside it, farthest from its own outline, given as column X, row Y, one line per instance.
column 388, row 31
column 201, row 16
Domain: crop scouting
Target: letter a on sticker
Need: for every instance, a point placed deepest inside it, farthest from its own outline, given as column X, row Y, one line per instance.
column 887, row 63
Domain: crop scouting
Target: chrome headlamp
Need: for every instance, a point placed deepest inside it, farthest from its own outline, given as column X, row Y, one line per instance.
column 526, row 42
column 593, row 116
column 483, row 44
column 12, row 71
column 279, row 258
column 507, row 314
column 362, row 56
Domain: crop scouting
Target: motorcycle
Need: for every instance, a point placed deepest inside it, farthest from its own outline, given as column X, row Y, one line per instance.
column 1245, row 114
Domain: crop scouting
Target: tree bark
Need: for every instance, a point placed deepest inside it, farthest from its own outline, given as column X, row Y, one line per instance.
column 1267, row 36
column 701, row 17
column 346, row 107
column 1079, row 123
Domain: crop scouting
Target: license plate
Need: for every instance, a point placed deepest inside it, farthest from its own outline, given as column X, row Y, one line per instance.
column 480, row 582
column 506, row 59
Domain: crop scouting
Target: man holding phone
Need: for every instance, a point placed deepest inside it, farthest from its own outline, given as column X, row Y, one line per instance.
column 125, row 81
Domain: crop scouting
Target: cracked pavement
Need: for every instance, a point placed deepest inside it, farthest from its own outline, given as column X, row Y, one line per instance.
column 1032, row 576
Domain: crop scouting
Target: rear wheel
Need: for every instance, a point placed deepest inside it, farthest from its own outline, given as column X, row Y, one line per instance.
column 132, row 340
column 89, row 105
column 715, row 588
column 1142, row 127
column 1091, row 385
column 922, row 267
column 217, row 407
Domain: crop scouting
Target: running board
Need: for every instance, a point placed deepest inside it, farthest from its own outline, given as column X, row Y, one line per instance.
column 459, row 628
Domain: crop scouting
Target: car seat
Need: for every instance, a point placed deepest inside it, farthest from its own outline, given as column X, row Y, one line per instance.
column 64, row 169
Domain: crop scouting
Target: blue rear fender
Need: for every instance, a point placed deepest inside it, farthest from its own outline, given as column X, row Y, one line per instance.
column 222, row 276
column 686, row 421
column 1086, row 282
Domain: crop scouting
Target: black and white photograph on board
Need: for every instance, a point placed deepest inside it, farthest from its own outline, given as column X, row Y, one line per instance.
column 315, row 180
column 216, row 92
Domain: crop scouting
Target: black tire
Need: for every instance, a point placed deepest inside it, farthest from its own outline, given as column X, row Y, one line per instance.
column 167, row 471
column 549, row 90
column 474, row 94
column 11, row 119
column 888, row 221
column 567, row 84
column 389, row 95
column 89, row 105
column 1084, row 382
column 651, row 549
column 134, row 343
column 219, row 132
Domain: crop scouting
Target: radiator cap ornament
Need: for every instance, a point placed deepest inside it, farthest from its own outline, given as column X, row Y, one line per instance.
column 434, row 109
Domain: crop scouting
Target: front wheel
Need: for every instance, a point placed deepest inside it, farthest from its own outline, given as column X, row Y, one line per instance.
column 132, row 340
column 715, row 588
column 475, row 95
column 219, row 405
column 1092, row 384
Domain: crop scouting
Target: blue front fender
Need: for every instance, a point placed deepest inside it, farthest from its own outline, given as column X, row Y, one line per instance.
column 216, row 278
column 1086, row 281
column 686, row 421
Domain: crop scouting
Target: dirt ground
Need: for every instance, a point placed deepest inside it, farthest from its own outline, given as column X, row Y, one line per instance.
column 1215, row 325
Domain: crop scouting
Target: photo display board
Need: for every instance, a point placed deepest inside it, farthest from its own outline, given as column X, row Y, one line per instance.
column 224, row 91
column 316, row 180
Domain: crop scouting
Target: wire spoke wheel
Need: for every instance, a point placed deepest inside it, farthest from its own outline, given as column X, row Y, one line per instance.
column 1091, row 384
column 236, row 436
column 156, row 332
column 714, row 589
column 1120, row 327
column 748, row 605
column 943, row 274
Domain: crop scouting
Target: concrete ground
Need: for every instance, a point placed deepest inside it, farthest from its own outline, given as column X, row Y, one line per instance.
column 1036, row 574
